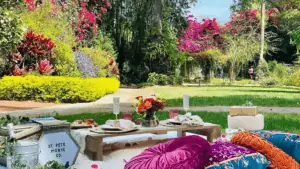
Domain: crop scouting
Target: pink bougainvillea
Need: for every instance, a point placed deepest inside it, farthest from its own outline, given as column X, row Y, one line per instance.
column 200, row 36
column 207, row 34
column 273, row 15
column 241, row 22
column 86, row 21
column 30, row 4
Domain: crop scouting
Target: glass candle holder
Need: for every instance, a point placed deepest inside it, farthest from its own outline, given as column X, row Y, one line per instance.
column 127, row 116
column 173, row 113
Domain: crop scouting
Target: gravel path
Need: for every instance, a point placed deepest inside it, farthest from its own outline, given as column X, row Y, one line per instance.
column 6, row 105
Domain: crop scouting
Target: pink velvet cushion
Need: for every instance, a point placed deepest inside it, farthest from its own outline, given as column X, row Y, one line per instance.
column 190, row 152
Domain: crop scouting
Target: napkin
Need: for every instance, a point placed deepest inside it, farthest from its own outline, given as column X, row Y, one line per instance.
column 189, row 119
column 123, row 124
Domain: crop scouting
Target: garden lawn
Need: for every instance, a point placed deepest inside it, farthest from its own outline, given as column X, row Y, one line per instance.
column 273, row 121
column 230, row 96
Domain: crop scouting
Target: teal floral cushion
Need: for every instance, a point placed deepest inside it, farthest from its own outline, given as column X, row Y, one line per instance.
column 287, row 142
column 230, row 156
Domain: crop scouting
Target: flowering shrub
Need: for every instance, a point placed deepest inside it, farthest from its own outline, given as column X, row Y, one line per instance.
column 36, row 45
column 34, row 53
column 113, row 66
column 150, row 104
column 273, row 14
column 242, row 22
column 56, row 26
column 89, row 12
column 84, row 14
column 200, row 36
column 56, row 88
column 86, row 65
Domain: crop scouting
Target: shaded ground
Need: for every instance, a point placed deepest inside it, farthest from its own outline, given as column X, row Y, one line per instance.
column 24, row 105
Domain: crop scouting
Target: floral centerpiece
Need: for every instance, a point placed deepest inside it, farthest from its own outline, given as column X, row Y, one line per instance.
column 148, row 107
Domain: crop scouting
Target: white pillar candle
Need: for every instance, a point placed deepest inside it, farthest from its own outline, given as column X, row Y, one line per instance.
column 116, row 105
column 186, row 102
column 11, row 130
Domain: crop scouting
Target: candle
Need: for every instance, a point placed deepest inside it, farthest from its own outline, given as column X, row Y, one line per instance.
column 186, row 102
column 116, row 106
column 11, row 130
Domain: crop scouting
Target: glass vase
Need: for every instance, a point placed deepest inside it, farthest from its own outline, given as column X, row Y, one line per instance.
column 150, row 120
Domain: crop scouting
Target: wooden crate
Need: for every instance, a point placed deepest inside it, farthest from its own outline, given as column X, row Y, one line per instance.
column 243, row 111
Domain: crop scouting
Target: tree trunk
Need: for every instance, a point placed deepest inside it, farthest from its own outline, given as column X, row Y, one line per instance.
column 157, row 15
column 232, row 72
column 262, row 30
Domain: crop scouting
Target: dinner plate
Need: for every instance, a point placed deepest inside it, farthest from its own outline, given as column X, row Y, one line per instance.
column 108, row 127
column 175, row 122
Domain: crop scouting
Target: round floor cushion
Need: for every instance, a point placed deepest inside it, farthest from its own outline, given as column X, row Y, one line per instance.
column 278, row 158
column 190, row 152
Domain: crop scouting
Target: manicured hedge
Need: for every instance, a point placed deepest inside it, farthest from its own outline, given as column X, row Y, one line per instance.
column 56, row 88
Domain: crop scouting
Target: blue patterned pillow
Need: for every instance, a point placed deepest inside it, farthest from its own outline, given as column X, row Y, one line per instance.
column 230, row 156
column 287, row 142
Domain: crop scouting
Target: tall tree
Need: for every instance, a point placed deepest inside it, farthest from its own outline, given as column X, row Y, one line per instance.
column 140, row 25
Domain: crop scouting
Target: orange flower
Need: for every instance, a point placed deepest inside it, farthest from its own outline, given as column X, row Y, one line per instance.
column 141, row 108
column 147, row 105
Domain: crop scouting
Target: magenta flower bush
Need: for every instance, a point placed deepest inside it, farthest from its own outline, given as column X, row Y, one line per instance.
column 200, row 36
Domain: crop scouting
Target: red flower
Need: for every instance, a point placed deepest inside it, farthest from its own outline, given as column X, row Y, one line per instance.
column 16, row 71
column 141, row 108
column 111, row 61
column 94, row 166
column 45, row 67
column 103, row 9
column 151, row 100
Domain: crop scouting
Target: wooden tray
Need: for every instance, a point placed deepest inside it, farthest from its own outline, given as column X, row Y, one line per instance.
column 101, row 131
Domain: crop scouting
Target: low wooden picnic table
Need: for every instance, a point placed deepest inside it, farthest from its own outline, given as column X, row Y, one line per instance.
column 95, row 146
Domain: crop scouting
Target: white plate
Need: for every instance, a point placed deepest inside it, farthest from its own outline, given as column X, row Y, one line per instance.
column 173, row 121
column 108, row 127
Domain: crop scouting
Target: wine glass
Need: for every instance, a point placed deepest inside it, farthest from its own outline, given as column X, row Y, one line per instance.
column 116, row 106
column 186, row 102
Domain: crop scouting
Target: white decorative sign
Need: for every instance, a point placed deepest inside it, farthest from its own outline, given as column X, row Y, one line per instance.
column 59, row 147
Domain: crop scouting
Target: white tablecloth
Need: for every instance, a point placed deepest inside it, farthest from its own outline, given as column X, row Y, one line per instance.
column 80, row 135
column 246, row 122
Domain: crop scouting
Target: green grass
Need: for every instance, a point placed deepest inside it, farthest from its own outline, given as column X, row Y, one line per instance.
column 273, row 121
column 229, row 96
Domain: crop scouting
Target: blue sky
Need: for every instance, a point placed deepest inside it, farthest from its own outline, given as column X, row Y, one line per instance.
column 219, row 9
